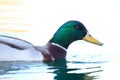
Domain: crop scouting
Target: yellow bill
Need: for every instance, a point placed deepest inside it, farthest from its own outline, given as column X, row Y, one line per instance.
column 91, row 39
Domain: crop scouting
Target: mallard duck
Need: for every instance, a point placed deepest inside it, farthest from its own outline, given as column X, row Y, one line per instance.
column 14, row 49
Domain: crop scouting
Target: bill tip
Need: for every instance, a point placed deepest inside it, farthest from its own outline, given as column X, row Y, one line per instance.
column 100, row 44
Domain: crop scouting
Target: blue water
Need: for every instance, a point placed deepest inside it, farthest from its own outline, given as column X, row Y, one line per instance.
column 59, row 70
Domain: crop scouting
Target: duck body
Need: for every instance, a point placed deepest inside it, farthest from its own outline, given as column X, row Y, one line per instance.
column 14, row 49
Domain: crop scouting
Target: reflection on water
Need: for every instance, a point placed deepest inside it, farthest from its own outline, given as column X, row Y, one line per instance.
column 65, row 73
column 57, row 70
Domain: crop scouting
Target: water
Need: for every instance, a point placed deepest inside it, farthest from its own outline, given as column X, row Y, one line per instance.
column 59, row 70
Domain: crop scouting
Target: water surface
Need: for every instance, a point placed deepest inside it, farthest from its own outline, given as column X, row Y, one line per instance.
column 57, row 70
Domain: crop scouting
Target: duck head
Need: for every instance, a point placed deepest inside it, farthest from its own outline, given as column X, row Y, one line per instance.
column 72, row 31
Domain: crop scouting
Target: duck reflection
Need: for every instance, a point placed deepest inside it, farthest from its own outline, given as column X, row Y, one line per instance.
column 62, row 71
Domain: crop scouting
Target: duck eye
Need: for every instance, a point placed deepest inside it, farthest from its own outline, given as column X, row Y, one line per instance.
column 78, row 27
column 90, row 36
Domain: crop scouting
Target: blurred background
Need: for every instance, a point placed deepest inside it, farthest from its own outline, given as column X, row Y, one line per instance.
column 37, row 20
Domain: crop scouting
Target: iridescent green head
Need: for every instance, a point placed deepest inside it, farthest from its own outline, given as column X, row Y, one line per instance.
column 69, row 32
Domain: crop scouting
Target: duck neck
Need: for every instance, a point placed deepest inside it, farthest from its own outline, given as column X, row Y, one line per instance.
column 62, row 42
